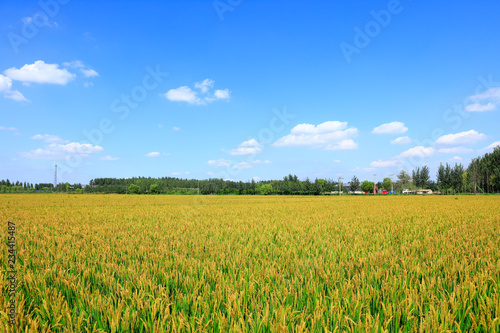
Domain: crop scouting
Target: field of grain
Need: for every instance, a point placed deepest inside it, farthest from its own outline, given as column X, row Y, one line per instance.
column 116, row 263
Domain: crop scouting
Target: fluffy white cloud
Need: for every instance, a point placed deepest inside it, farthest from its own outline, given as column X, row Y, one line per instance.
column 384, row 164
column 40, row 72
column 331, row 135
column 455, row 150
column 402, row 140
column 348, row 144
column 460, row 139
column 220, row 163
column 183, row 94
column 56, row 151
column 242, row 165
column 205, row 85
column 5, row 83
column 5, row 89
column 486, row 101
column 456, row 158
column 395, row 127
column 89, row 73
column 222, row 94
column 109, row 158
column 153, row 154
column 250, row 147
column 176, row 129
column 418, row 151
column 490, row 147
column 477, row 107
column 201, row 97
column 49, row 138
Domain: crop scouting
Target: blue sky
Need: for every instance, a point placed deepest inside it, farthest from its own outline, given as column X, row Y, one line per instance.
column 245, row 89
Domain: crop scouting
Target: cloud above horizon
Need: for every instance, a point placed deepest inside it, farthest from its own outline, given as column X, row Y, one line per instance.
column 395, row 127
column 330, row 135
column 486, row 101
column 200, row 95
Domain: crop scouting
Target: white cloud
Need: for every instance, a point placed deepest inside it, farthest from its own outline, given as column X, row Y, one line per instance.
column 74, row 64
column 250, row 143
column 476, row 107
column 402, row 140
column 201, row 97
column 256, row 179
column 330, row 135
column 153, row 154
column 490, row 147
column 40, row 72
column 176, row 173
column 249, row 147
column 337, row 161
column 109, row 158
column 456, row 158
column 60, row 151
column 205, row 85
column 176, row 129
column 418, row 151
column 242, row 165
column 395, row 127
column 348, row 144
column 222, row 94
column 486, row 101
column 89, row 72
column 12, row 129
column 183, row 94
column 384, row 164
column 249, row 165
column 455, row 150
column 5, row 83
column 49, row 138
column 15, row 95
column 261, row 162
column 220, row 163
column 464, row 138
column 5, row 88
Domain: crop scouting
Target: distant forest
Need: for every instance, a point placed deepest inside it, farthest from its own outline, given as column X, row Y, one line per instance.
column 481, row 176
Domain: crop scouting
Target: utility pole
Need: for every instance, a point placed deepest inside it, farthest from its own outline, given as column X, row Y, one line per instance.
column 340, row 184
column 374, row 182
column 55, row 178
column 392, row 183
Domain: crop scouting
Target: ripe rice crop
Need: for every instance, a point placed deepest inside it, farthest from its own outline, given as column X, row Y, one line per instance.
column 116, row 263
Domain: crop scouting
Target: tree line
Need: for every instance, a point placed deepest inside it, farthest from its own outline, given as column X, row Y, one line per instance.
column 481, row 176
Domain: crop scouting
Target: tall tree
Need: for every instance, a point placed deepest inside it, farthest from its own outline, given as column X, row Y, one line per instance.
column 354, row 184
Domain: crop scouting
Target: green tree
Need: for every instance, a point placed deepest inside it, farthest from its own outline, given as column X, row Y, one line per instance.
column 367, row 186
column 134, row 189
column 354, row 184
column 387, row 184
column 153, row 189
column 404, row 178
column 266, row 189
column 424, row 177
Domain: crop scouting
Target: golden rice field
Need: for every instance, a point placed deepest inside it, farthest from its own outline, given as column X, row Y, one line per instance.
column 114, row 263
